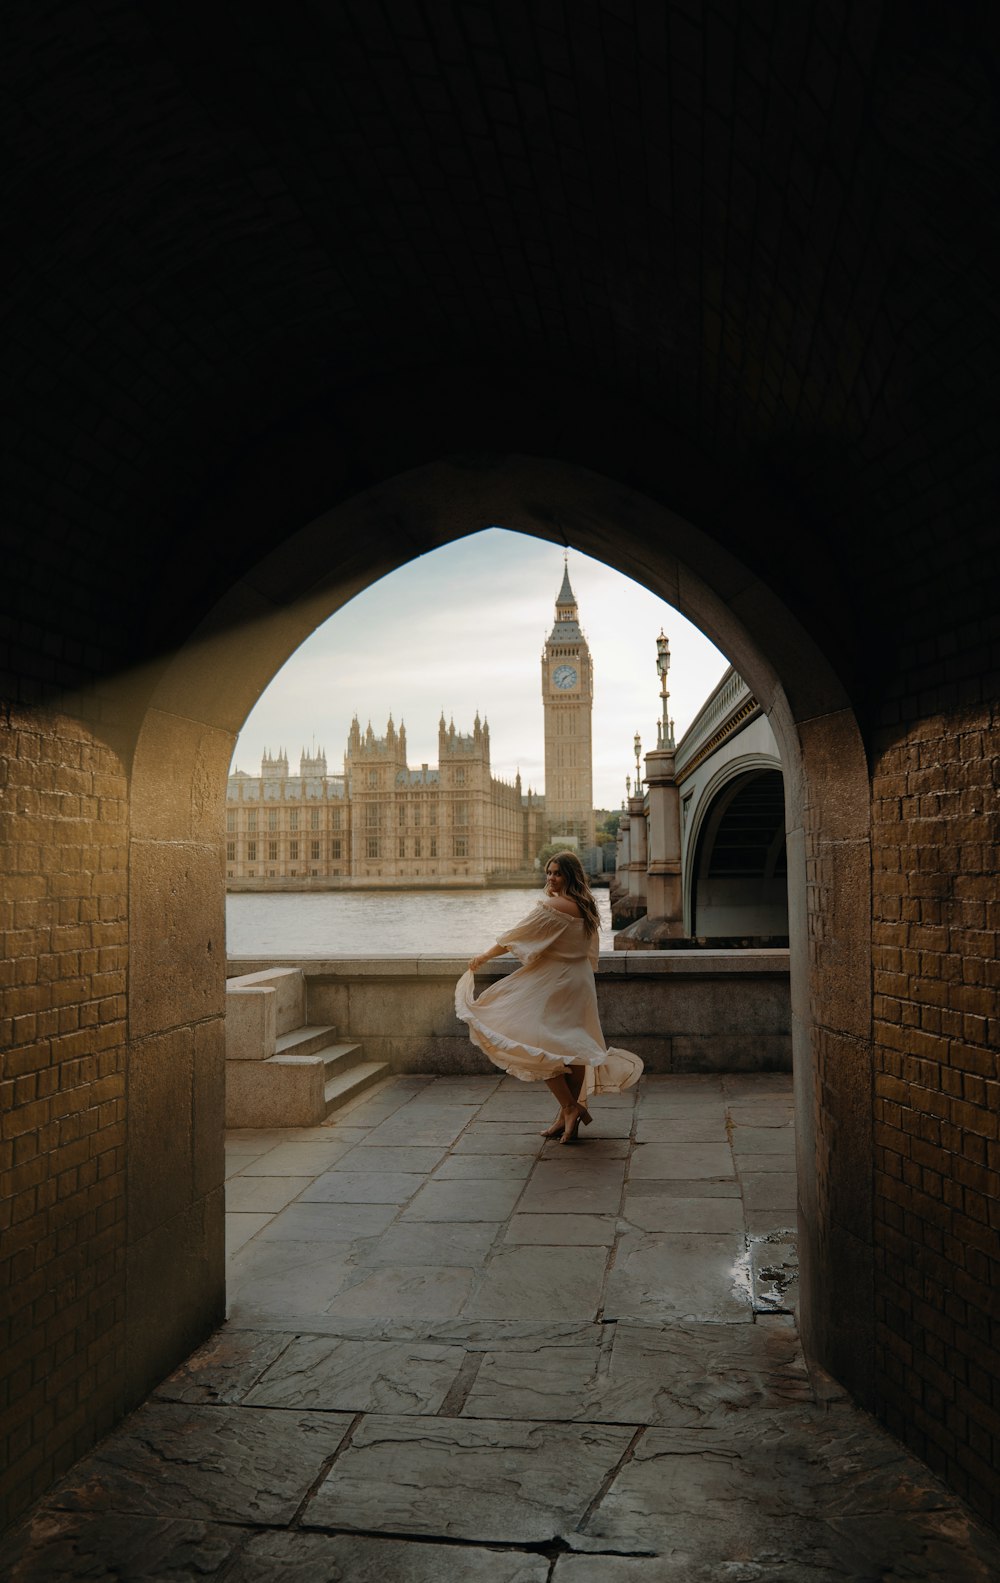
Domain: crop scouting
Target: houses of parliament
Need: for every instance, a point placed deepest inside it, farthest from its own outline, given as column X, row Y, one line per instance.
column 383, row 823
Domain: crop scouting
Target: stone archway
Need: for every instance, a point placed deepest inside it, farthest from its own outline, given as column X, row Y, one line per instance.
column 199, row 700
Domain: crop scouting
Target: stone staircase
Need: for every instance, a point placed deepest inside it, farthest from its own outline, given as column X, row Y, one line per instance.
column 280, row 1071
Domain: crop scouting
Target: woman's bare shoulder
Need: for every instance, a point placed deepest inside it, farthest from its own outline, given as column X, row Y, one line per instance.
column 563, row 904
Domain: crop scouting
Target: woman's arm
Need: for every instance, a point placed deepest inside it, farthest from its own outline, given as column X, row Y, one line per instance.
column 487, row 956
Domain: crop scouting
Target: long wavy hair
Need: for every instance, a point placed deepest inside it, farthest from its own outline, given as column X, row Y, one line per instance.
column 577, row 889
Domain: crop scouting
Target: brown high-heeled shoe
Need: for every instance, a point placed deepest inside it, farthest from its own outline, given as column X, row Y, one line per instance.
column 570, row 1131
column 555, row 1131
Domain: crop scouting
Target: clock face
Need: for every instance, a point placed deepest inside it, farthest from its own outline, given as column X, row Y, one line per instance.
column 564, row 676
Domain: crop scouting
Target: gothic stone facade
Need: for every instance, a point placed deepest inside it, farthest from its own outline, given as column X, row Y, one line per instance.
column 381, row 823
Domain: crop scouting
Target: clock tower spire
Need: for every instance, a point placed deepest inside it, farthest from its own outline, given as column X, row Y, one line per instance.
column 568, row 698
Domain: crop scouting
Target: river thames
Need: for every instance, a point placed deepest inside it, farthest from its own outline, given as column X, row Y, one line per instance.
column 380, row 923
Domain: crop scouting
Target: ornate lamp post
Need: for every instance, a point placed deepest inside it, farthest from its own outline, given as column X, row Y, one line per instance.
column 665, row 726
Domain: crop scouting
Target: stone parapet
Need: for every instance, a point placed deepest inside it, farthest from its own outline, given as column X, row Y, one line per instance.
column 682, row 1011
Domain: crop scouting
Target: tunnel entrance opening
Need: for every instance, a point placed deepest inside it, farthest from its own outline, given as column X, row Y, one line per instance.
column 740, row 877
column 197, row 705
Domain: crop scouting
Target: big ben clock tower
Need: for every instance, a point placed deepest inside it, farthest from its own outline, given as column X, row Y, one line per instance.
column 568, row 696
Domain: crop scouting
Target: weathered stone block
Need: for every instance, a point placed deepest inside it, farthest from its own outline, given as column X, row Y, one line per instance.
column 259, row 1094
column 251, row 1022
column 159, row 1130
column 177, row 958
column 178, row 791
column 288, row 986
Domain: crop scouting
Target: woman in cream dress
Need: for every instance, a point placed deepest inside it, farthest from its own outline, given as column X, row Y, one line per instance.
column 541, row 1022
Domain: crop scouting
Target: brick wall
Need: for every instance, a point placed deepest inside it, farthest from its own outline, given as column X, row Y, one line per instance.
column 63, row 828
column 937, row 1091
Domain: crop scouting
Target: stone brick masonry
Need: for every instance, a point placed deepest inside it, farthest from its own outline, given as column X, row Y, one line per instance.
column 62, row 1096
column 937, row 1093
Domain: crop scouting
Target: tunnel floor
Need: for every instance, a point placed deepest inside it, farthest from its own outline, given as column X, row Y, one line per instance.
column 456, row 1353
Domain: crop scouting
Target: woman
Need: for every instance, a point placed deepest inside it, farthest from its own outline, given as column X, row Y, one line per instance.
column 541, row 1021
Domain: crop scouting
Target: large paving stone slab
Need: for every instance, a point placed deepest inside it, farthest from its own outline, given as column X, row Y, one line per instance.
column 655, row 1212
column 688, row 1162
column 370, row 1112
column 229, row 1464
column 299, row 1159
column 764, row 1140
column 300, row 1557
column 704, row 1374
column 362, row 1187
column 541, row 1283
column 464, row 1243
column 372, row 1157
column 670, row 1277
column 533, row 1103
column 767, row 1481
column 485, row 1167
column 769, row 1190
column 499, row 1138
column 764, row 1086
column 307, row 1290
column 687, row 1376
column 664, row 1129
column 663, row 1187
column 608, row 1122
column 242, row 1228
column 562, row 1231
column 489, row 1201
column 681, row 1107
column 423, row 1125
column 555, row 1380
column 222, row 1370
column 457, row 1091
column 585, row 1167
column 500, row 1482
column 270, row 1257
column 409, row 1291
column 328, row 1222
column 768, row 1222
column 54, row 1545
column 755, row 1164
column 327, row 1373
column 263, row 1194
column 542, row 1197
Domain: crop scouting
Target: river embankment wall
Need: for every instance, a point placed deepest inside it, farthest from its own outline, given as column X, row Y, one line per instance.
column 681, row 1011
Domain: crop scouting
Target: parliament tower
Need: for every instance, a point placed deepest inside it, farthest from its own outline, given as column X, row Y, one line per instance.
column 568, row 697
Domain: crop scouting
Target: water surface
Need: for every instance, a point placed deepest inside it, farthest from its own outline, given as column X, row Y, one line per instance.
column 380, row 923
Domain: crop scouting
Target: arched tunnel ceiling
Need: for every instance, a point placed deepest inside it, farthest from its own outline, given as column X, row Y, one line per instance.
column 276, row 253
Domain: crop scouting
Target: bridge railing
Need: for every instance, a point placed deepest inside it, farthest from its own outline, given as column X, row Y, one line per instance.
column 730, row 698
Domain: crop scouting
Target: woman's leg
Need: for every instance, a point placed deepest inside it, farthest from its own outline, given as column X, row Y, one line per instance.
column 559, row 1086
column 567, row 1088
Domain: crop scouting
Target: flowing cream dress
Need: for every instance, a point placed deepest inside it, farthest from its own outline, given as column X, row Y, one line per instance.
column 543, row 1017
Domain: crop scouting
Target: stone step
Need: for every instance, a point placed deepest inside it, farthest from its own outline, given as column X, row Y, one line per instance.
column 333, row 1058
column 347, row 1084
column 308, row 1040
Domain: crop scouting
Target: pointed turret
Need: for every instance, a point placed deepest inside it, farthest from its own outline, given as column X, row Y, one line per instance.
column 567, row 625
column 566, row 599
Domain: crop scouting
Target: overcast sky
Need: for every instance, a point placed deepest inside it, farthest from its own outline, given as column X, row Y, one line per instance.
column 462, row 629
